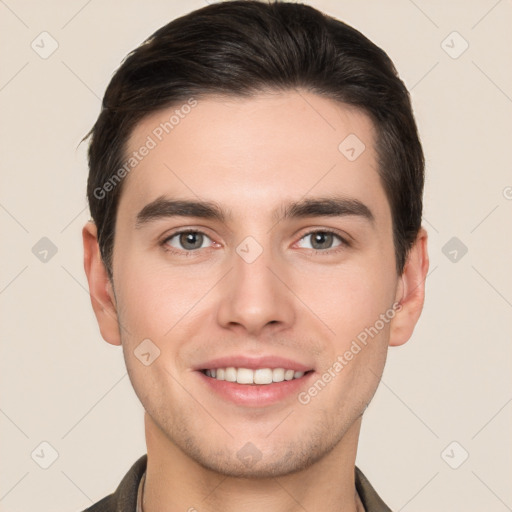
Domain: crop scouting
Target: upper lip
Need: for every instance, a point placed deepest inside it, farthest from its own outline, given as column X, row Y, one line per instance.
column 253, row 363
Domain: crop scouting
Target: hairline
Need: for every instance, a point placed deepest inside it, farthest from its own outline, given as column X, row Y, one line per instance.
column 249, row 94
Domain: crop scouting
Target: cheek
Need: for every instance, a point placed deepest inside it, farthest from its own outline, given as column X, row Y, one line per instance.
column 350, row 298
column 357, row 305
column 154, row 298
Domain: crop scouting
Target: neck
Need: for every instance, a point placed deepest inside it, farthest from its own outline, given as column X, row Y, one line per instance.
column 174, row 481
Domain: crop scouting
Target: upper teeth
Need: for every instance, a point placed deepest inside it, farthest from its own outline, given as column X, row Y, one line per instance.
column 248, row 376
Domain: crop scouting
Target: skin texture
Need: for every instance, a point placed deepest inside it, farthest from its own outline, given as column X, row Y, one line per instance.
column 251, row 156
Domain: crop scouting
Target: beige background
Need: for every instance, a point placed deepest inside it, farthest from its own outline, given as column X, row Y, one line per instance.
column 62, row 384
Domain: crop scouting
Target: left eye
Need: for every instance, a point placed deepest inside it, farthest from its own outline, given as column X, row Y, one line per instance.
column 188, row 240
column 320, row 240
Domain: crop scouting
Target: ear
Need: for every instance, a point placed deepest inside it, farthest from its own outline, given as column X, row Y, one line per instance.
column 100, row 287
column 410, row 292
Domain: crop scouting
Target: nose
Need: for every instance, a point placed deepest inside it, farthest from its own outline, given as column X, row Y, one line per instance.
column 254, row 298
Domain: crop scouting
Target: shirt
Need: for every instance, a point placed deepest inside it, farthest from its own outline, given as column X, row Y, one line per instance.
column 128, row 495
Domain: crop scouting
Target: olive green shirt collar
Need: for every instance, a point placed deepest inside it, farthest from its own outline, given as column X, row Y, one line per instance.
column 128, row 495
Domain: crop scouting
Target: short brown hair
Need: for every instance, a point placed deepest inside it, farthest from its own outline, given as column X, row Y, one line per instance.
column 240, row 48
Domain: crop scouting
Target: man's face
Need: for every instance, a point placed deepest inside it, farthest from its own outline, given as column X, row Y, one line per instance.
column 260, row 284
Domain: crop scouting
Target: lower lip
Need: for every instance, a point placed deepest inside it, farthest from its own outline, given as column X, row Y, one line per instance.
column 256, row 395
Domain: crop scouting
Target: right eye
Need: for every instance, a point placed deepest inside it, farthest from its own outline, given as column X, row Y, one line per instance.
column 188, row 240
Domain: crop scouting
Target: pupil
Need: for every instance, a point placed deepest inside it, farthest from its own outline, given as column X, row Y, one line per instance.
column 191, row 240
column 322, row 240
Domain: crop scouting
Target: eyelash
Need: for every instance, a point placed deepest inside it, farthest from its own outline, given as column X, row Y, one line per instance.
column 343, row 245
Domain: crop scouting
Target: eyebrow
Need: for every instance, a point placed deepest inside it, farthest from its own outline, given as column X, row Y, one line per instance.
column 326, row 207
column 164, row 207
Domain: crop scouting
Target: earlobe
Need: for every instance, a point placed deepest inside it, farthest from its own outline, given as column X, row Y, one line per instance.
column 100, row 287
column 411, row 291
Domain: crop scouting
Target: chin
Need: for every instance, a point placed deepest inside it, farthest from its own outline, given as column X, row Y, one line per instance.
column 259, row 465
column 263, row 458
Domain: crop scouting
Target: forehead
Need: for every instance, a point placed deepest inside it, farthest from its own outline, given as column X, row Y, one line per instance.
column 254, row 152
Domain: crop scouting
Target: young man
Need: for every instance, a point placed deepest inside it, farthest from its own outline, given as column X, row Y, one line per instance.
column 255, row 185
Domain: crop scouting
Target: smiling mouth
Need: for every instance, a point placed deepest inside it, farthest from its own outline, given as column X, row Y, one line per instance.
column 255, row 377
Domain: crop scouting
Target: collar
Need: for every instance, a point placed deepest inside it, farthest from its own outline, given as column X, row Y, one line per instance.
column 140, row 492
column 371, row 501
